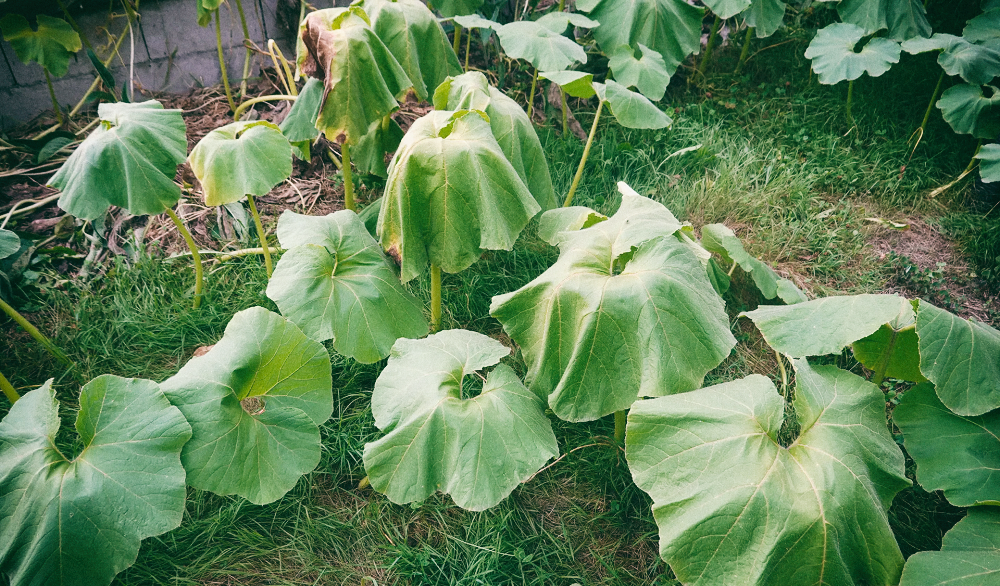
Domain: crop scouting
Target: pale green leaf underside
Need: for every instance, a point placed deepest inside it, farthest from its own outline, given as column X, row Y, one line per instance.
column 718, row 238
column 824, row 326
column 989, row 163
column 834, row 58
column 51, row 45
column 904, row 19
column 258, row 452
column 648, row 74
column 475, row 449
column 961, row 358
column 129, row 160
column 632, row 109
column 240, row 159
column 969, row 556
column 544, row 49
column 766, row 16
column 968, row 111
column 476, row 21
column 333, row 281
column 955, row 454
column 558, row 21
column 9, row 243
column 553, row 223
column 976, row 64
column 735, row 507
column 80, row 522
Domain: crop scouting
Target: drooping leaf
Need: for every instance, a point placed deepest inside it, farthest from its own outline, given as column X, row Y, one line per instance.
column 456, row 7
column 51, row 45
column 670, row 27
column 984, row 28
column 976, row 64
column 766, row 16
column 107, row 78
column 954, row 454
column 719, row 278
column 553, row 223
column 334, row 282
column 727, row 8
column 968, row 111
column 558, row 21
column 255, row 402
column 718, row 238
column 476, row 21
column 962, row 359
column 248, row 157
column 989, row 166
column 9, row 243
column 369, row 154
column 451, row 194
column 735, row 507
column 361, row 78
column 790, row 293
column 834, row 58
column 477, row 449
column 129, row 160
column 544, row 49
column 415, row 38
column 905, row 19
column 299, row 125
column 79, row 522
column 648, row 74
column 510, row 125
column 596, row 335
column 892, row 349
column 578, row 84
column 631, row 109
column 969, row 556
column 824, row 326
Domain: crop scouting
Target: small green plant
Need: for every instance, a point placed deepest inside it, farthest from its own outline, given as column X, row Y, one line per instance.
column 51, row 46
column 206, row 10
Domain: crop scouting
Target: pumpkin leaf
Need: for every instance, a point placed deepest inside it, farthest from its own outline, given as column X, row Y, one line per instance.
column 205, row 9
column 733, row 506
column 968, row 111
column 451, row 194
column 631, row 109
column 976, row 64
column 241, row 158
column 834, row 58
column 299, row 125
column 969, row 556
column 904, row 19
column 369, row 154
column 765, row 16
column 475, row 21
column 334, row 282
column 989, row 166
column 475, row 448
column 648, row 74
column 626, row 311
column 50, row 46
column 892, row 349
column 255, row 402
column 80, row 521
column 578, row 84
column 553, row 223
column 129, row 160
column 536, row 44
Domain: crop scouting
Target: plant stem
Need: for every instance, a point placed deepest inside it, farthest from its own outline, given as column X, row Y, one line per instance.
column 784, row 374
column 246, row 60
column 222, row 61
column 435, row 298
column 8, row 389
column 345, row 161
column 52, row 94
column 457, row 42
column 565, row 111
column 562, row 5
column 468, row 45
column 930, row 106
column 244, row 105
column 242, row 252
column 583, row 160
column 195, row 256
column 972, row 163
column 711, row 44
column 745, row 51
column 531, row 95
column 621, row 420
column 850, row 98
column 260, row 233
column 37, row 335
column 287, row 79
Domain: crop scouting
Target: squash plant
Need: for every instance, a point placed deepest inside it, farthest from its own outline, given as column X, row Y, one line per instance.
column 50, row 45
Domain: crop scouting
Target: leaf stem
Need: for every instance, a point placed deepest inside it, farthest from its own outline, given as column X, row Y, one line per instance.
column 583, row 160
column 37, row 335
column 345, row 161
column 711, row 45
column 850, row 98
column 468, row 46
column 972, row 163
column 784, row 374
column 246, row 59
column 260, row 233
column 565, row 111
column 52, row 94
column 286, row 79
column 457, row 41
column 745, row 51
column 195, row 256
column 930, row 106
column 621, row 420
column 531, row 95
column 244, row 105
column 435, row 298
column 222, row 61
column 8, row 389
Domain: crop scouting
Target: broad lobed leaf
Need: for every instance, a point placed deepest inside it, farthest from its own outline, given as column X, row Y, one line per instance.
column 51, row 45
column 240, row 159
column 834, row 58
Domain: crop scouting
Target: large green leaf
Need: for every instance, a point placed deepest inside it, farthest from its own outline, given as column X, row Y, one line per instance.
column 241, row 158
column 985, row 28
column 415, row 38
column 968, row 111
column 50, row 46
column 989, row 166
column 733, row 506
column 969, row 556
column 510, row 125
column 718, row 238
column 571, row 219
column 962, row 359
column 129, row 161
column 824, row 326
column 670, row 27
column 596, row 335
column 834, row 58
column 727, row 8
column 475, row 448
column 976, row 64
column 631, row 109
column 451, row 194
column 255, row 402
column 476, row 21
column 9, row 243
column 334, row 282
column 299, row 125
column 892, row 349
column 79, row 522
column 361, row 78
column 766, row 16
column 954, row 454
column 905, row 19
column 536, row 44
column 648, row 73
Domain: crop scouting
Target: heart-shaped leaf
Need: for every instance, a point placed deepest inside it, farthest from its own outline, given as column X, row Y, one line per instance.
column 892, row 349
column 625, row 312
column 648, row 73
column 50, row 46
column 457, row 7
column 718, row 238
column 976, row 64
column 79, row 522
column 129, row 160
column 961, row 358
column 558, row 21
column 299, row 125
column 510, row 125
column 475, row 448
column 544, row 49
column 969, row 556
column 984, row 28
column 631, row 109
column 733, row 506
column 968, row 111
column 835, row 60
column 824, row 326
column 954, row 454
column 552, row 223
column 451, row 194
column 989, row 166
column 255, row 402
column 334, row 282
column 241, row 158
column 765, row 16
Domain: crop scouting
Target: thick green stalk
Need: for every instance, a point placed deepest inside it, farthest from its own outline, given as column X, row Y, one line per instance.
column 37, row 335
column 52, row 94
column 468, row 45
column 745, row 51
column 562, row 5
column 784, row 375
column 345, row 161
column 195, row 256
column 930, row 106
column 711, row 44
column 621, row 420
column 435, row 298
column 850, row 98
column 260, row 233
column 565, row 111
column 244, row 105
column 531, row 95
column 457, row 42
column 8, row 389
column 222, row 61
column 246, row 60
column 583, row 160
column 972, row 163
